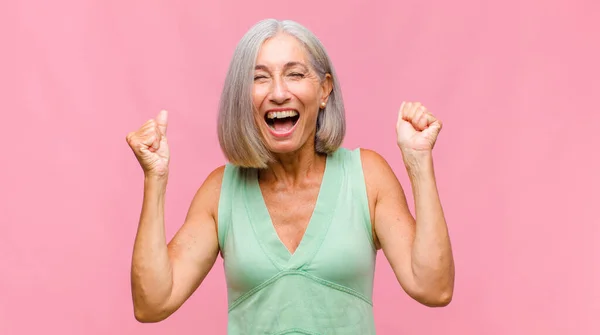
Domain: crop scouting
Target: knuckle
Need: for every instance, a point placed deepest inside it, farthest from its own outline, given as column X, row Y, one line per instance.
column 149, row 131
column 132, row 137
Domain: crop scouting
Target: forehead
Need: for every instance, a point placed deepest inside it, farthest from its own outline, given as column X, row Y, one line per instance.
column 281, row 49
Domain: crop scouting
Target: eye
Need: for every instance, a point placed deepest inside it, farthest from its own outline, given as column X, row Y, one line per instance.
column 297, row 75
column 259, row 76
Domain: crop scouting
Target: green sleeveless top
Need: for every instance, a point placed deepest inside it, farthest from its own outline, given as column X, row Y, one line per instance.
column 326, row 285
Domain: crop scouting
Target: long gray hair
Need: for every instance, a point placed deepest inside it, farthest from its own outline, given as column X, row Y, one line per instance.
column 238, row 135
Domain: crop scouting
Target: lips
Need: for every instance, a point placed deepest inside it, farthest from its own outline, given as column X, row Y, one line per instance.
column 281, row 122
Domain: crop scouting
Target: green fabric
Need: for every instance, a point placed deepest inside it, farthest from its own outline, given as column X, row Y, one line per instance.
column 325, row 286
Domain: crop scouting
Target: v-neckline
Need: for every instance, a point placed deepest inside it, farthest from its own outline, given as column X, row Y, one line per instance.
column 315, row 230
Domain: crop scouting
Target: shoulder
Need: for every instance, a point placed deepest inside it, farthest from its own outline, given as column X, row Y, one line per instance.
column 377, row 171
column 374, row 164
column 207, row 195
column 375, row 168
column 215, row 178
column 371, row 159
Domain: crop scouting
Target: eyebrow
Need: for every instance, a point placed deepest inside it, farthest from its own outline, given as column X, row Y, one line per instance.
column 286, row 66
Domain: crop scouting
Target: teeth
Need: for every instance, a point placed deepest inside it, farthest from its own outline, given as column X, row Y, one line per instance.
column 281, row 115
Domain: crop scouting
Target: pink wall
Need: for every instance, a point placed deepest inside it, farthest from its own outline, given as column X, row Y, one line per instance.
column 517, row 160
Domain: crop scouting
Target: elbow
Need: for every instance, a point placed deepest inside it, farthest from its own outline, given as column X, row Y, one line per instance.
column 436, row 291
column 150, row 309
column 441, row 299
column 434, row 297
column 143, row 315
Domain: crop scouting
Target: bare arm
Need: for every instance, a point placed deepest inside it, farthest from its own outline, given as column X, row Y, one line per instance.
column 418, row 252
column 164, row 276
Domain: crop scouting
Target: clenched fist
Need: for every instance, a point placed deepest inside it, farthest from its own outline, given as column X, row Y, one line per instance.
column 149, row 144
column 417, row 129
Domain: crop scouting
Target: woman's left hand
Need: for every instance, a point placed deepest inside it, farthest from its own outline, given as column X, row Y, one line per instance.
column 417, row 129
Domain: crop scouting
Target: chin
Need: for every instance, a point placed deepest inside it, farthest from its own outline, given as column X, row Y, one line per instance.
column 284, row 148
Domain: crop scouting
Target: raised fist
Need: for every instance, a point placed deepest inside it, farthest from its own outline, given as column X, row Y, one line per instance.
column 417, row 129
column 149, row 144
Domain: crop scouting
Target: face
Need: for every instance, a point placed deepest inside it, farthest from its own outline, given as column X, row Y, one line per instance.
column 287, row 95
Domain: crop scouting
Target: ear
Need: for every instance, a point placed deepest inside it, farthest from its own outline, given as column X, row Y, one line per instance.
column 326, row 87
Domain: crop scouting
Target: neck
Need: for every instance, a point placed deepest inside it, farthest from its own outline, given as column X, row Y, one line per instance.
column 293, row 169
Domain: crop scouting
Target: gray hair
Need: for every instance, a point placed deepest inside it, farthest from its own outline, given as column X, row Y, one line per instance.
column 237, row 131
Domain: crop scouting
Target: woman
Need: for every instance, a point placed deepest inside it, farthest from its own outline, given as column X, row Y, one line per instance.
column 297, row 219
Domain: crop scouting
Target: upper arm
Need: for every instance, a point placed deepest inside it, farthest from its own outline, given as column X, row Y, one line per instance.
column 393, row 224
column 194, row 248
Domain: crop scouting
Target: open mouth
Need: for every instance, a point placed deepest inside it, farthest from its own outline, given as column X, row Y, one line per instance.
column 282, row 121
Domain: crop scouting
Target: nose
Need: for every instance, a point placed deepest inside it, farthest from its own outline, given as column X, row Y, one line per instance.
column 279, row 92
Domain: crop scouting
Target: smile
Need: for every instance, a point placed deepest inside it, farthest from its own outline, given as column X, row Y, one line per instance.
column 282, row 123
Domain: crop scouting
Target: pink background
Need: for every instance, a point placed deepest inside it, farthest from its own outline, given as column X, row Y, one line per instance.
column 517, row 161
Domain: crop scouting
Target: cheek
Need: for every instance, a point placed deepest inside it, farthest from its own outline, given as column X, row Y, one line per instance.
column 258, row 95
column 307, row 94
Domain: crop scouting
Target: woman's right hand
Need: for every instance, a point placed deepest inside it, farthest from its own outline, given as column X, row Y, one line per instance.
column 149, row 144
